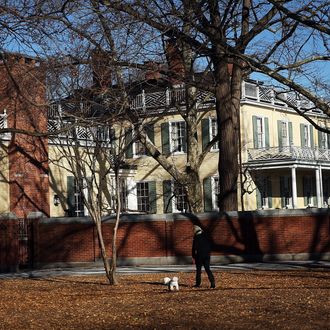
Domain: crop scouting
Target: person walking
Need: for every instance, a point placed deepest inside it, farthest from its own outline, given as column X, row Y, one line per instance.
column 201, row 250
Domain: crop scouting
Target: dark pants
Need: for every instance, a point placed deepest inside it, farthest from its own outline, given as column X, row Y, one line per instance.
column 203, row 261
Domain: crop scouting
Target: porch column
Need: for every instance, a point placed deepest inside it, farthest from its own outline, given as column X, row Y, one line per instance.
column 294, row 187
column 318, row 187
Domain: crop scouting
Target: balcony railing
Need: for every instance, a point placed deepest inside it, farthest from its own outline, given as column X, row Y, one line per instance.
column 289, row 153
column 250, row 91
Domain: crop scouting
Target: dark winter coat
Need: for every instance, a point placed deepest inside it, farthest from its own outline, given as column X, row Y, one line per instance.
column 201, row 246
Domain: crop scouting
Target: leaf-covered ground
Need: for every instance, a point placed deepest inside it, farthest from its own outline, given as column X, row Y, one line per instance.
column 298, row 299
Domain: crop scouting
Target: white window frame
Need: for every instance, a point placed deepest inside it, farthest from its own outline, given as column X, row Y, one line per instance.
column 264, row 193
column 285, row 133
column 80, row 194
column 173, row 129
column 324, row 140
column 307, row 140
column 215, row 192
column 288, row 187
column 309, row 188
column 146, row 189
column 261, row 136
column 213, row 132
column 174, row 200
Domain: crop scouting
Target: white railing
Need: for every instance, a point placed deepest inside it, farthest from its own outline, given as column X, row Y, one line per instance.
column 250, row 91
column 289, row 153
column 3, row 120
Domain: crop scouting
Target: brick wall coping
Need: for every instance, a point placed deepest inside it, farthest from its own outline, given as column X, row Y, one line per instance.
column 201, row 216
column 8, row 216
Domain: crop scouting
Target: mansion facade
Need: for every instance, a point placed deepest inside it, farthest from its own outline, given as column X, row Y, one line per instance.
column 285, row 160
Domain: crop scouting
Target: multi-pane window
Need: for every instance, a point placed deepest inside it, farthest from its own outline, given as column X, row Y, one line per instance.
column 323, row 140
column 260, row 133
column 142, row 190
column 216, row 191
column 263, row 193
column 123, row 192
column 306, row 138
column 284, row 133
column 78, row 198
column 286, row 191
column 139, row 148
column 180, row 197
column 177, row 134
column 214, row 132
column 309, row 190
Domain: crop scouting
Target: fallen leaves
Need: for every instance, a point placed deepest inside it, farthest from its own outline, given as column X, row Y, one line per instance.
column 242, row 300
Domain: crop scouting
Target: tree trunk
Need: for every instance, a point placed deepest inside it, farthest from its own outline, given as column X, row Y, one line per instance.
column 227, row 118
column 103, row 251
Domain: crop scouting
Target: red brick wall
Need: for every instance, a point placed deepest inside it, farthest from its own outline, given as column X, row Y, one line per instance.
column 22, row 94
column 9, row 249
column 246, row 234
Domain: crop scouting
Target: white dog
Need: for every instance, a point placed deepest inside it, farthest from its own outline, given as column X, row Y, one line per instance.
column 172, row 284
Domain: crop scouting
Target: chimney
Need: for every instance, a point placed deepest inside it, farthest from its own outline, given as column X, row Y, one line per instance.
column 174, row 60
column 101, row 69
column 153, row 70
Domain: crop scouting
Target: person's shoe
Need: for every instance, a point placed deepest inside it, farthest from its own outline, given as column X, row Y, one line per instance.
column 212, row 286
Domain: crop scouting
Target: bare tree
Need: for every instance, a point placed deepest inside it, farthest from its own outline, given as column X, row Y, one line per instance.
column 283, row 41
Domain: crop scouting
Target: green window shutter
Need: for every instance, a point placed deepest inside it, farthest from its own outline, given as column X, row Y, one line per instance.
column 319, row 136
column 282, row 191
column 302, row 140
column 70, row 195
column 185, row 138
column 205, row 132
column 279, row 132
column 255, row 132
column 258, row 197
column 152, row 196
column 290, row 134
column 270, row 193
column 207, row 186
column 266, row 133
column 167, row 196
column 165, row 135
column 311, row 130
column 129, row 143
column 150, row 132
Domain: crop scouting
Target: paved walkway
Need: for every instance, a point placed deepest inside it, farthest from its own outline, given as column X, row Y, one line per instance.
column 79, row 271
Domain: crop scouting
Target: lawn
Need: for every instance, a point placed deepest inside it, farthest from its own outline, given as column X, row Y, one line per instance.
column 297, row 299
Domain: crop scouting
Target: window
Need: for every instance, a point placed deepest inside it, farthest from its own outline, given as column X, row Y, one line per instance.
column 123, row 191
column 142, row 190
column 211, row 188
column 324, row 140
column 78, row 199
column 306, row 135
column 214, row 132
column 260, row 132
column 76, row 193
column 309, row 191
column 209, row 131
column 174, row 197
column 139, row 149
column 264, row 191
column 180, row 198
column 284, row 133
column 286, row 191
column 177, row 136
